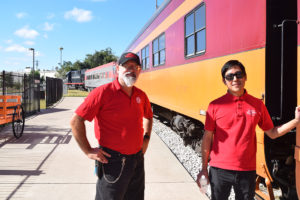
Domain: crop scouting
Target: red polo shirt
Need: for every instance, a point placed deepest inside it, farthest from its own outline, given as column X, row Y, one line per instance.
column 233, row 120
column 118, row 118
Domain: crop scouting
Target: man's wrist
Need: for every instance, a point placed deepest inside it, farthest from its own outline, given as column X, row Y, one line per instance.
column 204, row 167
column 146, row 137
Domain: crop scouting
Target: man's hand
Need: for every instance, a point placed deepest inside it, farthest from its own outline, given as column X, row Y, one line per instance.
column 145, row 145
column 297, row 114
column 201, row 173
column 98, row 154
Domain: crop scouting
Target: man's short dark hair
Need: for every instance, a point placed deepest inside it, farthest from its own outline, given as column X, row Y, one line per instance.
column 231, row 63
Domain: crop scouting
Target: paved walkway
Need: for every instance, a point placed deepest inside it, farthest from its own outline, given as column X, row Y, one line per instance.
column 46, row 162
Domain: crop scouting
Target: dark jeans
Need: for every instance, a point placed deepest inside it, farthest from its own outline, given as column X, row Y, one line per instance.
column 118, row 184
column 222, row 180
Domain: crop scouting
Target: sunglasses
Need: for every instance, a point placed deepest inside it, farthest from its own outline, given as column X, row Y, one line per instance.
column 230, row 77
column 134, row 67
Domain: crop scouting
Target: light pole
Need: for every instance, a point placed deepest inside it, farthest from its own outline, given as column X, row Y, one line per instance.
column 32, row 49
column 61, row 48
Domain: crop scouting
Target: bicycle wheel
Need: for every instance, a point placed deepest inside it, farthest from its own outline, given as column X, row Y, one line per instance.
column 18, row 121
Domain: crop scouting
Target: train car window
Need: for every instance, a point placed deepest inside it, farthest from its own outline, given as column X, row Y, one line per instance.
column 145, row 58
column 189, row 24
column 195, row 32
column 159, row 52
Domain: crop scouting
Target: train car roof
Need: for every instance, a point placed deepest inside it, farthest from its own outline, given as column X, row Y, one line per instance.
column 100, row 67
column 156, row 13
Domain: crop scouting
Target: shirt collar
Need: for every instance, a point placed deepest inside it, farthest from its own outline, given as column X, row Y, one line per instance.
column 235, row 98
column 118, row 86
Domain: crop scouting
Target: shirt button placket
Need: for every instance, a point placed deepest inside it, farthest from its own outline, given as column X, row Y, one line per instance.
column 239, row 109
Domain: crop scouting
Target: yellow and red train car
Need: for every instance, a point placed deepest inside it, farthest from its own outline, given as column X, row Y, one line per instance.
column 185, row 44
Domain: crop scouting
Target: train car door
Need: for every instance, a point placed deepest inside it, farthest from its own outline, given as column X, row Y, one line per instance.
column 281, row 90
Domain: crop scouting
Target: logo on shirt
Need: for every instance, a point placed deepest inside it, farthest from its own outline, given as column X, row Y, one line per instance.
column 138, row 99
column 251, row 113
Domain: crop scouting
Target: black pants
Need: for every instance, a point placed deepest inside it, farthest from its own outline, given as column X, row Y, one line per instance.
column 117, row 184
column 222, row 180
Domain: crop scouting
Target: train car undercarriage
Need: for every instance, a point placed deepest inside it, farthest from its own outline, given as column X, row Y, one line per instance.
column 190, row 130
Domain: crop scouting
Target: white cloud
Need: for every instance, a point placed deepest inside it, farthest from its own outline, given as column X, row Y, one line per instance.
column 9, row 41
column 25, row 32
column 29, row 43
column 48, row 27
column 21, row 15
column 50, row 16
column 79, row 15
column 36, row 53
column 16, row 48
column 12, row 63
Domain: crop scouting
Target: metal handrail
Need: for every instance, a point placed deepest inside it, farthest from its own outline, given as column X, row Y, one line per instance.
column 282, row 59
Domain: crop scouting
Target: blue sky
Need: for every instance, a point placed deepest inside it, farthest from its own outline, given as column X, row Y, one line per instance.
column 79, row 26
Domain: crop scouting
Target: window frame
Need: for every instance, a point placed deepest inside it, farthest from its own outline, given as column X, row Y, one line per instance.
column 145, row 58
column 195, row 33
column 159, row 50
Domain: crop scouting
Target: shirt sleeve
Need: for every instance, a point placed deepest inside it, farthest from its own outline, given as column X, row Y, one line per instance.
column 265, row 122
column 91, row 105
column 210, row 122
column 147, row 108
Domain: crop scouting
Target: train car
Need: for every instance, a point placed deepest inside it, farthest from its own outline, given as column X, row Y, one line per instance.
column 75, row 79
column 100, row 75
column 185, row 44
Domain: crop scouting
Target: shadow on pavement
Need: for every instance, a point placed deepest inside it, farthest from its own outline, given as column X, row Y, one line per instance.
column 48, row 111
column 35, row 134
column 20, row 172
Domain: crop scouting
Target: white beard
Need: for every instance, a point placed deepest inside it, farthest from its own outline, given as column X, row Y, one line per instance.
column 128, row 79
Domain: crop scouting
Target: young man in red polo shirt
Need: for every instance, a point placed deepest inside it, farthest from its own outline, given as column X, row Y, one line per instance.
column 123, row 123
column 230, row 138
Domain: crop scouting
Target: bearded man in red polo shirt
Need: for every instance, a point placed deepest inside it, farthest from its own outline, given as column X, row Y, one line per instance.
column 230, row 138
column 123, row 121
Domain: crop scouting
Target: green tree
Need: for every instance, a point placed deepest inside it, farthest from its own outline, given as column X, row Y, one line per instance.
column 65, row 67
column 100, row 58
column 42, row 79
column 91, row 61
column 81, row 65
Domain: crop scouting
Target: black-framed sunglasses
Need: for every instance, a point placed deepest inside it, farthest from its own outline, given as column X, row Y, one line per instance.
column 238, row 75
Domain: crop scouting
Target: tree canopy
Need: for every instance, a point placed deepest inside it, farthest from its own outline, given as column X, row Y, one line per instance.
column 90, row 61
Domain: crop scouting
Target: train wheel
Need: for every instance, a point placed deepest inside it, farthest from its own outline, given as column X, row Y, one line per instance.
column 18, row 121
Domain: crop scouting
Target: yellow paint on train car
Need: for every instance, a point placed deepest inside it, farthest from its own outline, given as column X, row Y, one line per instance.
column 179, row 12
column 189, row 88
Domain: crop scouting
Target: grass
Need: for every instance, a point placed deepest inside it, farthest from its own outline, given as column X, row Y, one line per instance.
column 71, row 93
column 76, row 93
column 42, row 104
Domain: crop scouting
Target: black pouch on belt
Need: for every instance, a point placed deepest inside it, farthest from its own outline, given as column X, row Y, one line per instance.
column 98, row 169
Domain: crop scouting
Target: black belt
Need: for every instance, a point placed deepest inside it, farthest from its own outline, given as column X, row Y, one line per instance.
column 114, row 153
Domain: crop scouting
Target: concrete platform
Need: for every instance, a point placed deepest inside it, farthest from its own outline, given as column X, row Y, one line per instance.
column 46, row 162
